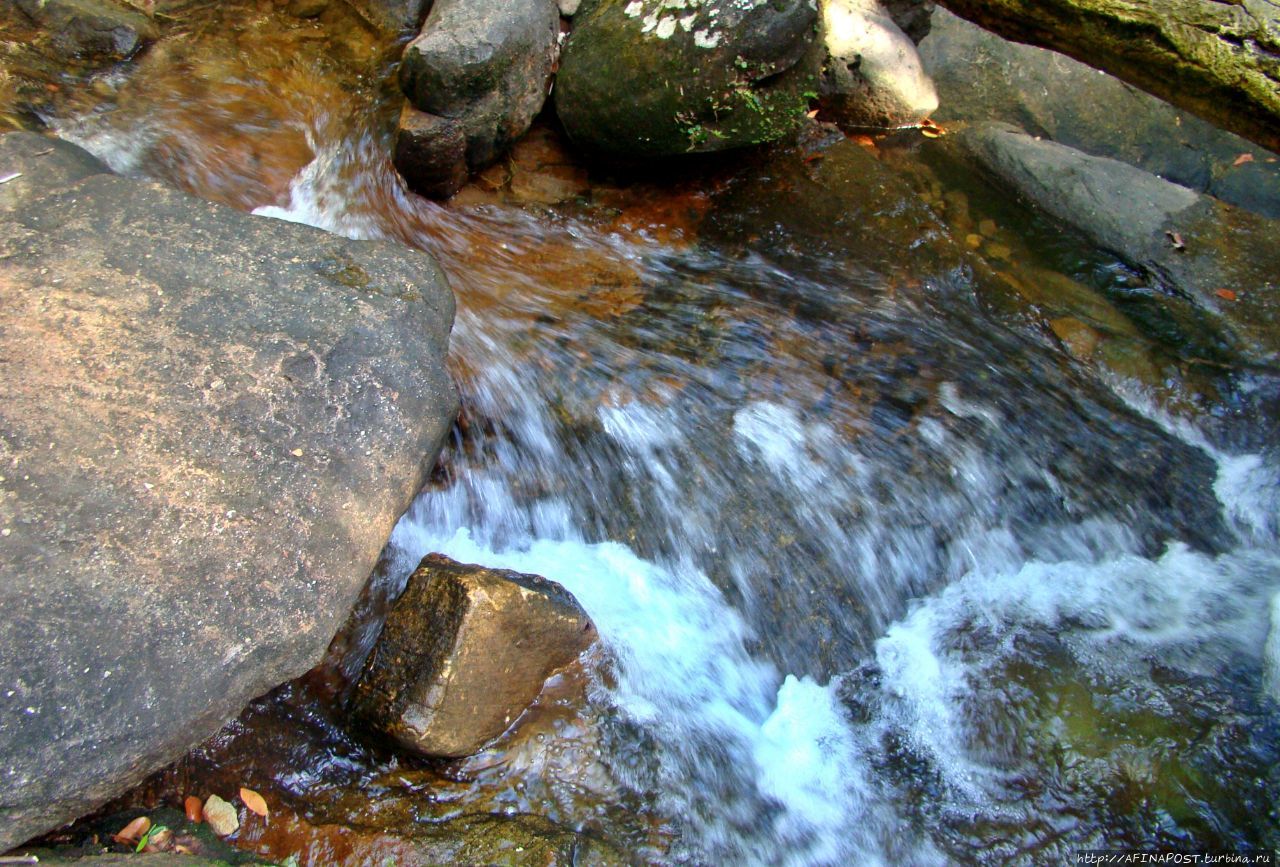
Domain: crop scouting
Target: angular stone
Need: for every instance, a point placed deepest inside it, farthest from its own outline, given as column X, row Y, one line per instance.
column 478, row 74
column 464, row 651
column 469, row 48
column 431, row 153
column 209, row 424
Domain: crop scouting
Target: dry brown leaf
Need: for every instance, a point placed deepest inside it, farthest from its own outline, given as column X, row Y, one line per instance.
column 1176, row 240
column 254, row 801
column 1226, row 294
column 132, row 832
column 1242, row 159
column 194, row 808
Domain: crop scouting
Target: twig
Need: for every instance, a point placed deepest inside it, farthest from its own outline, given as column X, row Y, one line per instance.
column 19, row 859
column 6, row 180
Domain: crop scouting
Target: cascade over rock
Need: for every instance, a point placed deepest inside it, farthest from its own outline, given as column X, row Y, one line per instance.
column 209, row 423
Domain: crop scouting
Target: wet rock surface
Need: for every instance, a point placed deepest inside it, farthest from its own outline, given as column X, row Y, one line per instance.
column 1219, row 60
column 476, row 76
column 639, row 79
column 1218, row 264
column 209, row 424
column 98, row 30
column 980, row 76
column 464, row 651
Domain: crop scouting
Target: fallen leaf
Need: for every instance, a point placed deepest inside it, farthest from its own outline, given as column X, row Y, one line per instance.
column 929, row 129
column 1226, row 294
column 1242, row 159
column 297, row 453
column 133, row 832
column 194, row 808
column 1176, row 240
column 221, row 816
column 811, row 114
column 254, row 801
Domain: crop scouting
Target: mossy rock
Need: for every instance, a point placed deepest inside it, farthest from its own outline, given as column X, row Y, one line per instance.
column 646, row 78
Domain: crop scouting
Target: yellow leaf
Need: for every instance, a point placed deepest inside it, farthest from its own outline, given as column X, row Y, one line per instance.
column 254, row 801
column 133, row 832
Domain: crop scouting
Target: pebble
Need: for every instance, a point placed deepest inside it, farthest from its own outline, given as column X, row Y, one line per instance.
column 221, row 816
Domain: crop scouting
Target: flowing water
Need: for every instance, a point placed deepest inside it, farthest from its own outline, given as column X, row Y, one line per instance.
column 882, row 574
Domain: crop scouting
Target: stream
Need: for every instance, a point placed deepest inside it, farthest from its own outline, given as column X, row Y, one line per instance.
column 882, row 574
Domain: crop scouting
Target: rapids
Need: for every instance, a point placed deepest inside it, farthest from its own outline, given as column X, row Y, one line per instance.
column 883, row 576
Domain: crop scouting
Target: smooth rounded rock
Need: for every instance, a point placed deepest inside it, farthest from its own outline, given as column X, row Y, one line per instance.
column 644, row 78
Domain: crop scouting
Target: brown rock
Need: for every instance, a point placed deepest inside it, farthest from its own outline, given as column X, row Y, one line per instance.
column 464, row 651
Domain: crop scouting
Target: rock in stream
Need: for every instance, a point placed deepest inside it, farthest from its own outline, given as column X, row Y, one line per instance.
column 209, row 423
column 465, row 649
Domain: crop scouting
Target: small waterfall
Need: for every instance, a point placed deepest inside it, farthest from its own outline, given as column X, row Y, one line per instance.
column 880, row 580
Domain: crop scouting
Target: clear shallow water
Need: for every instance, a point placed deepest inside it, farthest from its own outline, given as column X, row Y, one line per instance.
column 882, row 578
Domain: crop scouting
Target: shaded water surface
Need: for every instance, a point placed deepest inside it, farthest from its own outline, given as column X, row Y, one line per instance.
column 886, row 569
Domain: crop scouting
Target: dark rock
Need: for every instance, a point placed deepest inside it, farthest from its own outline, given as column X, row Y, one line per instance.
column 392, row 16
column 209, row 423
column 100, row 30
column 307, row 8
column 1220, row 60
column 980, row 76
column 478, row 74
column 431, row 153
column 641, row 79
column 871, row 74
column 1218, row 264
column 465, row 649
column 913, row 17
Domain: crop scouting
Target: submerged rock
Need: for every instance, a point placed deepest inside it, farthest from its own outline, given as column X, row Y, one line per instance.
column 645, row 78
column 871, row 73
column 980, row 77
column 101, row 30
column 209, row 423
column 1218, row 264
column 464, row 651
column 476, row 77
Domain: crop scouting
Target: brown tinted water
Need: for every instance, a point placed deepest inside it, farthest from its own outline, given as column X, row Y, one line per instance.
column 856, row 464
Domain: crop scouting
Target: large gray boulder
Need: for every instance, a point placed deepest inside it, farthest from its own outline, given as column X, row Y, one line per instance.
column 209, row 423
column 646, row 78
column 980, row 76
column 464, row 651
column 476, row 76
column 1218, row 265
